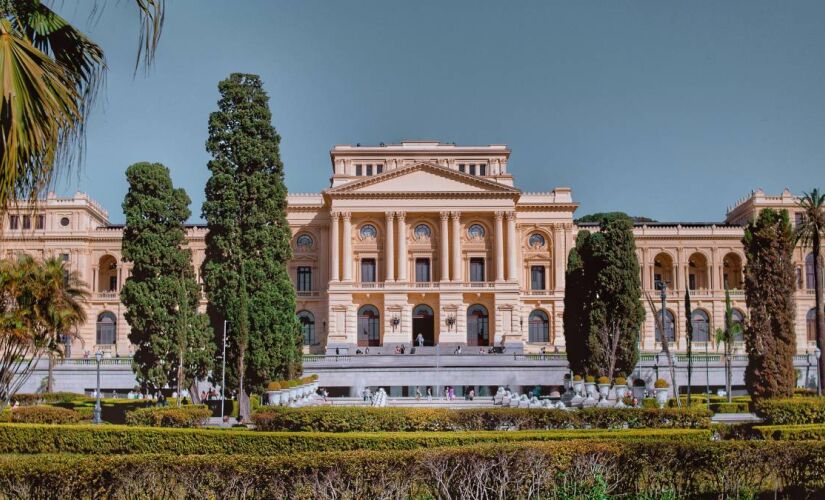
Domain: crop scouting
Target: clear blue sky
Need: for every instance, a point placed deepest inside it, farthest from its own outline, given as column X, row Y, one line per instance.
column 667, row 109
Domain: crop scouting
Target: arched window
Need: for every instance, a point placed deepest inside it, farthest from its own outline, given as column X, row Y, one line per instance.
column 106, row 329
column 369, row 331
column 809, row 271
column 539, row 326
column 478, row 332
column 307, row 321
column 810, row 325
column 422, row 232
column 304, row 242
column 738, row 318
column 368, row 232
column 475, row 232
column 701, row 326
column 536, row 240
column 670, row 327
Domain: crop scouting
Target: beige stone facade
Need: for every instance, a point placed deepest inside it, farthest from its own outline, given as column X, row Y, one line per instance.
column 432, row 239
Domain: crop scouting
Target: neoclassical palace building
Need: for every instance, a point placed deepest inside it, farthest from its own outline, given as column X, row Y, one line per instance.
column 426, row 242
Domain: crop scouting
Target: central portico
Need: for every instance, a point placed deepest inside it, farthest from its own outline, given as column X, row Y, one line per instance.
column 425, row 239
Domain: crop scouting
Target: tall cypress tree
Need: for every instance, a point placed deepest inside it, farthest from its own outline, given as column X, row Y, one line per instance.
column 613, row 311
column 174, row 341
column 248, row 244
column 575, row 289
column 769, row 288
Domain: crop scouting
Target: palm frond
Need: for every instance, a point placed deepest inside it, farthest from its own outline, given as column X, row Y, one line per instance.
column 152, row 14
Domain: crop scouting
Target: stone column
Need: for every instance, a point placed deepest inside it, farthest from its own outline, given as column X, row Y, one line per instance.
column 499, row 247
column 389, row 248
column 347, row 246
column 444, row 254
column 512, row 273
column 334, row 275
column 457, row 267
column 402, row 246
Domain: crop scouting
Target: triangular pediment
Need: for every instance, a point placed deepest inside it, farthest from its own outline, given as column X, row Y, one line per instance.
column 423, row 178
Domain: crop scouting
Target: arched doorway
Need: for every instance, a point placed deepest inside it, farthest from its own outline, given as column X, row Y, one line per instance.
column 106, row 331
column 539, row 326
column 369, row 331
column 478, row 325
column 424, row 323
column 307, row 321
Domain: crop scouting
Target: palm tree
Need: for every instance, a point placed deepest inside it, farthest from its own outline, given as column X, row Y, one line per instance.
column 60, row 309
column 809, row 233
column 726, row 336
column 50, row 75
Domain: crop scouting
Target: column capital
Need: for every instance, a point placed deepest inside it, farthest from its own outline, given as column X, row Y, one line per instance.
column 455, row 214
column 511, row 215
column 444, row 215
column 346, row 215
column 389, row 215
column 499, row 215
column 401, row 215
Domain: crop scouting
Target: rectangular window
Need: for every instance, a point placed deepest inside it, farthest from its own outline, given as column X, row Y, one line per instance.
column 304, row 279
column 369, row 169
column 358, row 169
column 472, row 169
column 799, row 218
column 40, row 222
column 368, row 270
column 482, row 170
column 112, row 283
column 379, row 169
column 422, row 270
column 692, row 281
column 537, row 278
column 27, row 222
column 476, row 269
column 64, row 257
column 461, row 167
column 14, row 221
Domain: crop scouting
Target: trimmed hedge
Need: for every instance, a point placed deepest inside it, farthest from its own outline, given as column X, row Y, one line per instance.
column 185, row 416
column 741, row 407
column 366, row 419
column 105, row 440
column 807, row 410
column 542, row 470
column 49, row 397
column 815, row 432
column 41, row 414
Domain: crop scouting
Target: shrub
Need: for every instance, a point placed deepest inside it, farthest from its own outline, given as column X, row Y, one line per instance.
column 185, row 416
column 42, row 414
column 809, row 432
column 106, row 440
column 604, row 380
column 273, row 386
column 365, row 419
column 49, row 397
column 791, row 411
column 621, row 381
column 650, row 469
column 661, row 384
column 738, row 407
column 590, row 379
column 577, row 378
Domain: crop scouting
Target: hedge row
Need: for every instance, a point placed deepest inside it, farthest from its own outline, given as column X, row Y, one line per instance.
column 41, row 414
column 539, row 470
column 105, row 440
column 814, row 432
column 807, row 410
column 366, row 419
column 185, row 416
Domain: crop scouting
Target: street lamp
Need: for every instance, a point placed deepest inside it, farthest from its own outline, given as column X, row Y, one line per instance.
column 96, row 415
column 818, row 354
column 223, row 371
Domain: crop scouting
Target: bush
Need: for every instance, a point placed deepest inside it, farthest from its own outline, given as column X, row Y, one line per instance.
column 106, row 440
column 813, row 432
column 42, row 414
column 651, row 469
column 604, row 380
column 621, row 381
column 739, row 407
column 791, row 411
column 661, row 384
column 49, row 397
column 365, row 419
column 590, row 379
column 185, row 416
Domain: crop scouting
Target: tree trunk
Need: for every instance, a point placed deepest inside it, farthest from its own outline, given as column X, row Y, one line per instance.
column 50, row 378
column 180, row 375
column 728, row 374
column 193, row 393
column 819, row 316
column 243, row 398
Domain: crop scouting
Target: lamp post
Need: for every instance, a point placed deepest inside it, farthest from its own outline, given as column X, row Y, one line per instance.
column 818, row 354
column 96, row 417
column 223, row 371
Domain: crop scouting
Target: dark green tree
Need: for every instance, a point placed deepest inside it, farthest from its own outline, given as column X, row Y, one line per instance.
column 689, row 330
column 575, row 289
column 614, row 312
column 769, row 289
column 174, row 341
column 248, row 243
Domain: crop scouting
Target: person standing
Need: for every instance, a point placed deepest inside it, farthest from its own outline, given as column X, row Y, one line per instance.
column 420, row 340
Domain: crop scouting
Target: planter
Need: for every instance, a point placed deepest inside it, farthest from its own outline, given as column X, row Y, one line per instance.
column 604, row 390
column 590, row 387
column 621, row 391
column 661, row 396
column 284, row 397
column 577, row 386
column 272, row 397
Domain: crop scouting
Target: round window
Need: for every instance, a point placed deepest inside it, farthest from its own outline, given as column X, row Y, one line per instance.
column 422, row 231
column 536, row 240
column 476, row 231
column 64, row 221
column 368, row 231
column 304, row 242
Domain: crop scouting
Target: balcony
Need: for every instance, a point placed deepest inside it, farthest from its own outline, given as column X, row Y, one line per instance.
column 107, row 296
column 308, row 293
